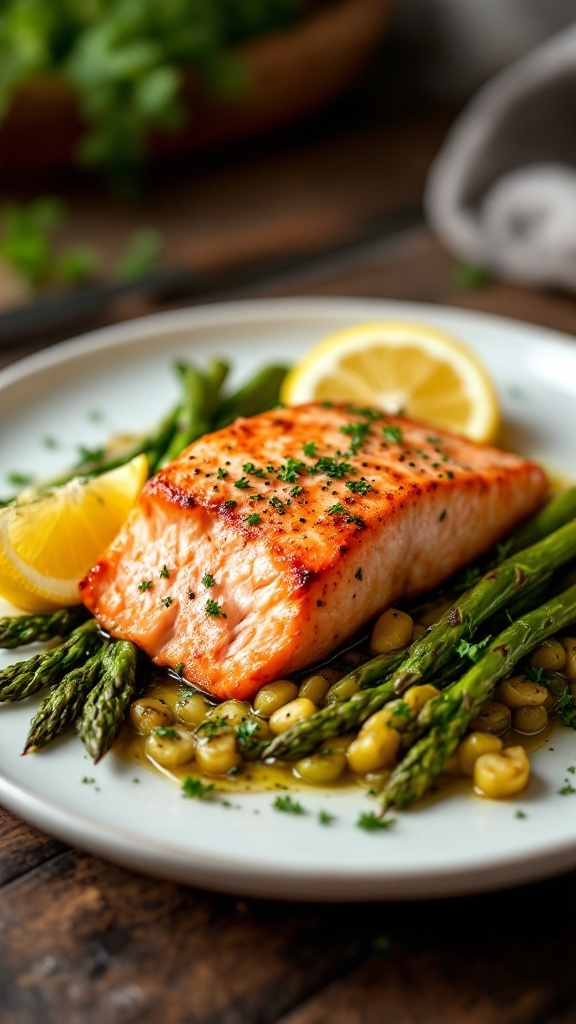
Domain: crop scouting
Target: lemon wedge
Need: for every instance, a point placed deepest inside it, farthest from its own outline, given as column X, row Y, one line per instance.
column 49, row 541
column 404, row 369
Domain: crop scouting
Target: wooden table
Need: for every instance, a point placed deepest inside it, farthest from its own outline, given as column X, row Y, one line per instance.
column 331, row 209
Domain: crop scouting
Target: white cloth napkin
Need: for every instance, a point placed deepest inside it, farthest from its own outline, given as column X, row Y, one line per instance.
column 502, row 192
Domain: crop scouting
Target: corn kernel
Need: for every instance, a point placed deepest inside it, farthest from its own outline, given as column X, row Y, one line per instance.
column 392, row 631
column 473, row 746
column 291, row 713
column 503, row 774
column 373, row 750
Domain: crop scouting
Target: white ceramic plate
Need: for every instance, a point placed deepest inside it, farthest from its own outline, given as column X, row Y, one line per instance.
column 457, row 845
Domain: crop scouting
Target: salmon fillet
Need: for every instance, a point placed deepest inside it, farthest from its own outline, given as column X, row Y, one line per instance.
column 265, row 545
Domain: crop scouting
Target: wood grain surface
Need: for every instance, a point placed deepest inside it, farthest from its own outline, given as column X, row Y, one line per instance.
column 86, row 942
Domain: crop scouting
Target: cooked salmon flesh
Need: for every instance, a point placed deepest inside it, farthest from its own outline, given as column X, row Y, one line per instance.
column 267, row 544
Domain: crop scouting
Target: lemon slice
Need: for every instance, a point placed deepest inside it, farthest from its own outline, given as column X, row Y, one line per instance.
column 405, row 369
column 49, row 541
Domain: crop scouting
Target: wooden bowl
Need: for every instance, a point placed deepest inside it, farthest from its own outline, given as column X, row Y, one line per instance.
column 292, row 73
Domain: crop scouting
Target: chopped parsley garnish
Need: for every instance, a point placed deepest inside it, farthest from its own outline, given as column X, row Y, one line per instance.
column 230, row 503
column 357, row 520
column 291, row 470
column 288, row 805
column 357, row 432
column 247, row 733
column 568, row 716
column 214, row 610
column 534, row 674
column 566, row 789
column 253, row 519
column 212, row 727
column 19, row 479
column 393, row 434
column 309, row 449
column 144, row 585
column 196, row 789
column 325, row 818
column 164, row 573
column 333, row 468
column 358, row 574
column 470, row 577
column 520, row 814
column 278, row 505
column 253, row 470
column 208, row 580
column 358, row 486
column 442, row 516
column 179, row 668
column 50, row 442
column 90, row 454
column 166, row 733
column 503, row 550
column 247, row 728
column 434, row 440
column 222, row 473
column 473, row 651
column 167, row 601
column 337, row 509
column 296, row 490
column 242, row 484
column 366, row 412
column 370, row 822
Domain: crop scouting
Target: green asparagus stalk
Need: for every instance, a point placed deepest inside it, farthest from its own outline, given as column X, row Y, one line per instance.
column 258, row 395
column 63, row 704
column 201, row 398
column 105, row 709
column 447, row 716
column 19, row 630
column 433, row 651
column 27, row 677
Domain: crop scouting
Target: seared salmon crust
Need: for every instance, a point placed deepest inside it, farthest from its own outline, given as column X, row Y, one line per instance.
column 265, row 545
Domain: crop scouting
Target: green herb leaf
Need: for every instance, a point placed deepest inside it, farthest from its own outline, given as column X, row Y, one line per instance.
column 370, row 822
column 253, row 519
column 214, row 610
column 473, row 651
column 393, row 434
column 287, row 805
column 165, row 732
column 196, row 789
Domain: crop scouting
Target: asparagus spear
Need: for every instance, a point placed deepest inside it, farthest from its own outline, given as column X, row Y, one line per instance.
column 201, row 396
column 447, row 716
column 27, row 677
column 436, row 648
column 259, row 394
column 63, row 704
column 19, row 630
column 104, row 711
